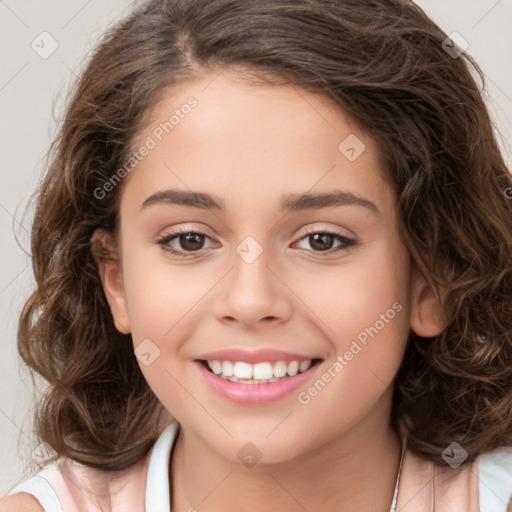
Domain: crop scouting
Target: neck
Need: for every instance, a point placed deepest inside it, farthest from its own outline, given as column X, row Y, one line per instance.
column 354, row 471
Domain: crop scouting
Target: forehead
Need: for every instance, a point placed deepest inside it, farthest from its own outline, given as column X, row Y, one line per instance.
column 248, row 142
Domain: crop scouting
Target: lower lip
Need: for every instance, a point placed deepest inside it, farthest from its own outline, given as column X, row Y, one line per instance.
column 253, row 394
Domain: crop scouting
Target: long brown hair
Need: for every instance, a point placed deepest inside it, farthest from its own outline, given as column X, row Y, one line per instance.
column 385, row 64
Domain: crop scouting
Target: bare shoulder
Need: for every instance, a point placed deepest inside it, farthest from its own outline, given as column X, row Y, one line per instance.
column 20, row 502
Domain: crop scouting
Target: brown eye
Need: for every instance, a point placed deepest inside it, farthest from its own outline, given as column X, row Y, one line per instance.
column 324, row 241
column 191, row 241
column 182, row 242
column 321, row 241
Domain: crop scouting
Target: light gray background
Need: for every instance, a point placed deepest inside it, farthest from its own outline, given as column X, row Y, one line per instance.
column 32, row 90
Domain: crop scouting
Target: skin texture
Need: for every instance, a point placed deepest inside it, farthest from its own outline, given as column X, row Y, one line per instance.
column 20, row 502
column 249, row 145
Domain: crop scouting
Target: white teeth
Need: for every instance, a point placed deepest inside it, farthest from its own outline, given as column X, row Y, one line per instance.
column 216, row 367
column 227, row 368
column 262, row 371
column 242, row 370
column 258, row 373
column 293, row 368
column 280, row 369
column 304, row 365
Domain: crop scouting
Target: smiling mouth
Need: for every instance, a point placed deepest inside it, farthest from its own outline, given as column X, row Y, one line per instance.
column 260, row 373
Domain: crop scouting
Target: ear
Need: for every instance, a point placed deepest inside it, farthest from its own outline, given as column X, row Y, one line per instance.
column 427, row 317
column 106, row 254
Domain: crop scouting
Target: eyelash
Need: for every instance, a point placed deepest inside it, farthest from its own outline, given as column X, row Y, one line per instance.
column 346, row 242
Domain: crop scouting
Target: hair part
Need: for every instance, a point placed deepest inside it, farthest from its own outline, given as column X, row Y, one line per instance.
column 383, row 63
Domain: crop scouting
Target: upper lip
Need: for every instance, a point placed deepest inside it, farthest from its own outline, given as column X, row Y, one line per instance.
column 253, row 356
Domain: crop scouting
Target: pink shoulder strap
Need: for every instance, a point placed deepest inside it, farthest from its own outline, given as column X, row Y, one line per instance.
column 87, row 489
column 427, row 487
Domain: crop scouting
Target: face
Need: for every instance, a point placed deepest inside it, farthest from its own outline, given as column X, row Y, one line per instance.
column 263, row 271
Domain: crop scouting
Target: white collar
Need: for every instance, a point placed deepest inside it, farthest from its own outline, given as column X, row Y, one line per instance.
column 157, row 481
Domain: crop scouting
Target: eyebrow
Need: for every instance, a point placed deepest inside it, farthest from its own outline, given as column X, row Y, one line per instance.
column 290, row 202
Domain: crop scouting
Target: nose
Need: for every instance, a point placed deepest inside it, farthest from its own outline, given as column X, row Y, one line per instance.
column 253, row 294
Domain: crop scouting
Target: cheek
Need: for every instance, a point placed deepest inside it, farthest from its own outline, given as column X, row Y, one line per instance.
column 385, row 329
column 364, row 311
column 352, row 296
column 163, row 302
column 160, row 294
